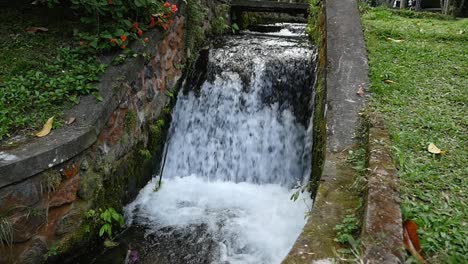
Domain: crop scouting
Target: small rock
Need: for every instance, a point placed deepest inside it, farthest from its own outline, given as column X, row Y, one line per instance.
column 65, row 193
column 35, row 252
column 84, row 166
column 136, row 85
column 149, row 72
column 150, row 93
column 69, row 222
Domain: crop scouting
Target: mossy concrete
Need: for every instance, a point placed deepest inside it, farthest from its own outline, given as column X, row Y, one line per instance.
column 334, row 197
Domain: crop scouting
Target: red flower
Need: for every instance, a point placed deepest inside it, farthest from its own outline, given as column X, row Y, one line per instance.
column 171, row 21
column 159, row 22
column 146, row 40
column 140, row 32
column 166, row 4
column 174, row 8
column 112, row 40
column 109, row 2
column 123, row 38
column 152, row 22
column 165, row 26
column 123, row 47
column 135, row 25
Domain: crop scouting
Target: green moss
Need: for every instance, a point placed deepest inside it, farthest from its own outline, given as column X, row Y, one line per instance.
column 90, row 184
column 131, row 121
column 248, row 19
column 144, row 154
column 317, row 33
column 316, row 24
column 194, row 33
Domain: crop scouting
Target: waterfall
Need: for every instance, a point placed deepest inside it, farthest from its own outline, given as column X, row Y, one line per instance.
column 240, row 140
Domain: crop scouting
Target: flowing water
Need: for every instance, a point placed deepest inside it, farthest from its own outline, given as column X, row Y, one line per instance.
column 238, row 144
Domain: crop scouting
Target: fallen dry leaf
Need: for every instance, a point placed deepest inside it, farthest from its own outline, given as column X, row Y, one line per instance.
column 388, row 81
column 33, row 30
column 432, row 148
column 395, row 40
column 70, row 120
column 411, row 240
column 360, row 91
column 46, row 129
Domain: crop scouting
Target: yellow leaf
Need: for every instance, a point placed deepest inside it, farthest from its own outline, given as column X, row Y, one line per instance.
column 388, row 81
column 395, row 40
column 46, row 129
column 434, row 149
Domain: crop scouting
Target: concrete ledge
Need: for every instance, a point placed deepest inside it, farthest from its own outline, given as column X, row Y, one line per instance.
column 382, row 226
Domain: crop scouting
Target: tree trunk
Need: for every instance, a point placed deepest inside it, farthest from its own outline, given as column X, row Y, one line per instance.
column 402, row 4
column 459, row 9
column 446, row 8
column 418, row 5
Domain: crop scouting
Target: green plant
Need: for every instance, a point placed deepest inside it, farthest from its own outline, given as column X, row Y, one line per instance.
column 31, row 98
column 110, row 218
column 219, row 26
column 117, row 22
column 106, row 221
column 54, row 250
column 347, row 229
column 235, row 28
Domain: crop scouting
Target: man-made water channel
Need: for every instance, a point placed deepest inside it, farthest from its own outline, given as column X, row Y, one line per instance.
column 238, row 145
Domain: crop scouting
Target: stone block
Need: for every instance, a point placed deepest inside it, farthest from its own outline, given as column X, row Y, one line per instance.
column 70, row 222
column 65, row 193
column 35, row 252
column 26, row 223
column 90, row 183
column 26, row 193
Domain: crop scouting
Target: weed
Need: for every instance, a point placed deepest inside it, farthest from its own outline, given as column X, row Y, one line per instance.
column 145, row 154
column 105, row 220
column 51, row 181
column 6, row 231
column 348, row 228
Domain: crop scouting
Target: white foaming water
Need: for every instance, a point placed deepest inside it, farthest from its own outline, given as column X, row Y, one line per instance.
column 287, row 30
column 237, row 146
column 254, row 224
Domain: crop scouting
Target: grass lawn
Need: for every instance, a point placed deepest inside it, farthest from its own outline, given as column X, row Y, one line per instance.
column 424, row 59
column 40, row 73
